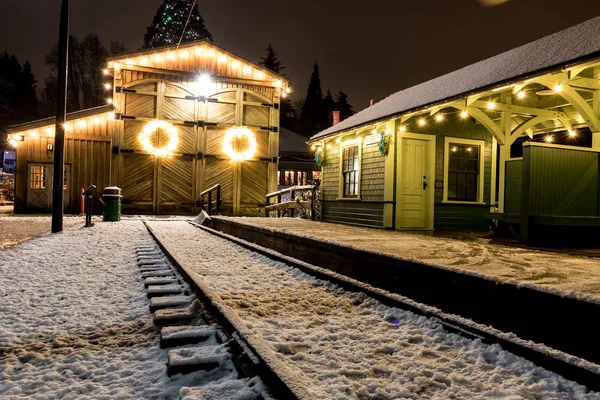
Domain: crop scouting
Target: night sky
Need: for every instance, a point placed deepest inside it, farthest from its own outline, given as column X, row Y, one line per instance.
column 368, row 49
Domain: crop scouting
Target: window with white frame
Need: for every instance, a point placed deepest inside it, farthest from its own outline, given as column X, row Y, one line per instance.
column 463, row 170
column 350, row 171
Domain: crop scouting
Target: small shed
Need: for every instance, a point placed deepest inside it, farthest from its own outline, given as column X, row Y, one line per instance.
column 178, row 120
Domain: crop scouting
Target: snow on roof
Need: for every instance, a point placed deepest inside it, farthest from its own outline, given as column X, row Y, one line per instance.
column 292, row 142
column 567, row 47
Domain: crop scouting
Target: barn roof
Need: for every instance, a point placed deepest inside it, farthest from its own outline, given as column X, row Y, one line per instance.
column 52, row 120
column 139, row 55
column 571, row 46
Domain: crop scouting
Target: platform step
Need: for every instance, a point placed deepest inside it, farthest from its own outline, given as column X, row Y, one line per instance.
column 247, row 389
column 158, row 303
column 164, row 290
column 203, row 358
column 160, row 281
column 158, row 273
column 172, row 336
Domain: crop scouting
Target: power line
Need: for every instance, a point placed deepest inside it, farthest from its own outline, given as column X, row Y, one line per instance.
column 187, row 22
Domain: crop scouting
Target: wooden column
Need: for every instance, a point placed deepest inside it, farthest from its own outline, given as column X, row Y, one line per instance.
column 505, row 127
column 596, row 108
column 389, row 177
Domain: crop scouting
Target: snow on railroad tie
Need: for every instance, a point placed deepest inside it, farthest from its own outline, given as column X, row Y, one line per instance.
column 346, row 345
column 164, row 290
column 160, row 281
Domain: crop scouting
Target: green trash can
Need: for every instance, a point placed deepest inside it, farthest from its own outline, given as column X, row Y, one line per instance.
column 111, row 200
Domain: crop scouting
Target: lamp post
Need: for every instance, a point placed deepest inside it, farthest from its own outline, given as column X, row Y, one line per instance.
column 61, row 118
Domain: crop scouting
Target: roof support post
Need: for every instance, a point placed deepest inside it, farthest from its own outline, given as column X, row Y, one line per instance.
column 581, row 106
column 484, row 120
column 389, row 189
column 505, row 128
column 596, row 110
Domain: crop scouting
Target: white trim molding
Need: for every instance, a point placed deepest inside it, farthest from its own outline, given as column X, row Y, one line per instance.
column 480, row 183
column 348, row 143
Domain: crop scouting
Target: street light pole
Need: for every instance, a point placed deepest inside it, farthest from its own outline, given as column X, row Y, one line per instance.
column 61, row 118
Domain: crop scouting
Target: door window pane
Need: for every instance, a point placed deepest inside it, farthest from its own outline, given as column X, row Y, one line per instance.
column 37, row 177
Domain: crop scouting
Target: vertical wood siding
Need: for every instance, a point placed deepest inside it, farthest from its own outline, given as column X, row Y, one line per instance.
column 562, row 181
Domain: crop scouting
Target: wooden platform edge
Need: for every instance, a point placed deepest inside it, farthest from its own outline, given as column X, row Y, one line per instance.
column 574, row 367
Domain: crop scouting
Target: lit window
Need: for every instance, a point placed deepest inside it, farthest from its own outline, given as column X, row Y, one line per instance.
column 350, row 171
column 316, row 175
column 37, row 177
column 463, row 170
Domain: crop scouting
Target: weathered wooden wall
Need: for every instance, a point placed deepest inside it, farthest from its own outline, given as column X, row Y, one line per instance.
column 87, row 154
column 172, row 185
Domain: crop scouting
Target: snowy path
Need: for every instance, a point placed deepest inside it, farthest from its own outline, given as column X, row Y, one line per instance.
column 577, row 275
column 345, row 345
column 74, row 319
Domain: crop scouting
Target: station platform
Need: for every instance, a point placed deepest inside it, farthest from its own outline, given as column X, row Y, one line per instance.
column 543, row 296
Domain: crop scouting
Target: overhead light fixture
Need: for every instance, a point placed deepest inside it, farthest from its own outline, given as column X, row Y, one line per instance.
column 464, row 114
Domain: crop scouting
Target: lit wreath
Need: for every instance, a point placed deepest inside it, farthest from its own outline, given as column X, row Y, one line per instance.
column 150, row 128
column 232, row 149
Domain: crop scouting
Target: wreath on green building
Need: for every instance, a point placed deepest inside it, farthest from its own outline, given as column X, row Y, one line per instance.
column 384, row 143
column 320, row 157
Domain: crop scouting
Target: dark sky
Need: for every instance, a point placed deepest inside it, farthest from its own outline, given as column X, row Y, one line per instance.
column 368, row 49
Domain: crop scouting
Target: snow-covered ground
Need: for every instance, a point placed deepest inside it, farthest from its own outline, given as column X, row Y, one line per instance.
column 563, row 274
column 342, row 345
column 75, row 322
column 17, row 229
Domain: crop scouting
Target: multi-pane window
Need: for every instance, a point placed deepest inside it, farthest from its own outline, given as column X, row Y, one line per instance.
column 350, row 171
column 294, row 178
column 463, row 172
column 37, row 177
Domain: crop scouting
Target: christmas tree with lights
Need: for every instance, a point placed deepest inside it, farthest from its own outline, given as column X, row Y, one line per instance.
column 170, row 21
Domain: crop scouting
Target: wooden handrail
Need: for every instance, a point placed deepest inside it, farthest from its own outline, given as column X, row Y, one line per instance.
column 209, row 192
column 294, row 203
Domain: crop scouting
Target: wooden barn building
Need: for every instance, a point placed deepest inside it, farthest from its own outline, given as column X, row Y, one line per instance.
column 513, row 140
column 179, row 120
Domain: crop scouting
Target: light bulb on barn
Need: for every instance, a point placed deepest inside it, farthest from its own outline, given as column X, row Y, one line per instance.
column 203, row 86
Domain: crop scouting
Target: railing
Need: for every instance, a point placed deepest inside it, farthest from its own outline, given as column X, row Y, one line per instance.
column 293, row 203
column 87, row 201
column 208, row 205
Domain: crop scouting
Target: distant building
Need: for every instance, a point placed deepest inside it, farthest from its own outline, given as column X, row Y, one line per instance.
column 296, row 162
column 9, row 161
column 180, row 120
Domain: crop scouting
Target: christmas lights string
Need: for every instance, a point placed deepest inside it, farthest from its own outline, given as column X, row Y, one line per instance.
column 187, row 22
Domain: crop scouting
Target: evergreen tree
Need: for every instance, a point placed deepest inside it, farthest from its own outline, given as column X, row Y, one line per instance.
column 169, row 22
column 18, row 99
column 346, row 110
column 271, row 61
column 85, row 88
column 313, row 113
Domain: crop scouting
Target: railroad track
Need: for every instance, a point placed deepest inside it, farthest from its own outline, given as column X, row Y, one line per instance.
column 568, row 366
column 196, row 336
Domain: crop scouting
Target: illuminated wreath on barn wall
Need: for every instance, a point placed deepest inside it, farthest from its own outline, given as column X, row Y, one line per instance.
column 150, row 129
column 239, row 144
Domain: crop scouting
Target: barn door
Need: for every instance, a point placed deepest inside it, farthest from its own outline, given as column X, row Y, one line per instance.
column 176, row 173
column 138, row 167
column 152, row 184
column 39, row 186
